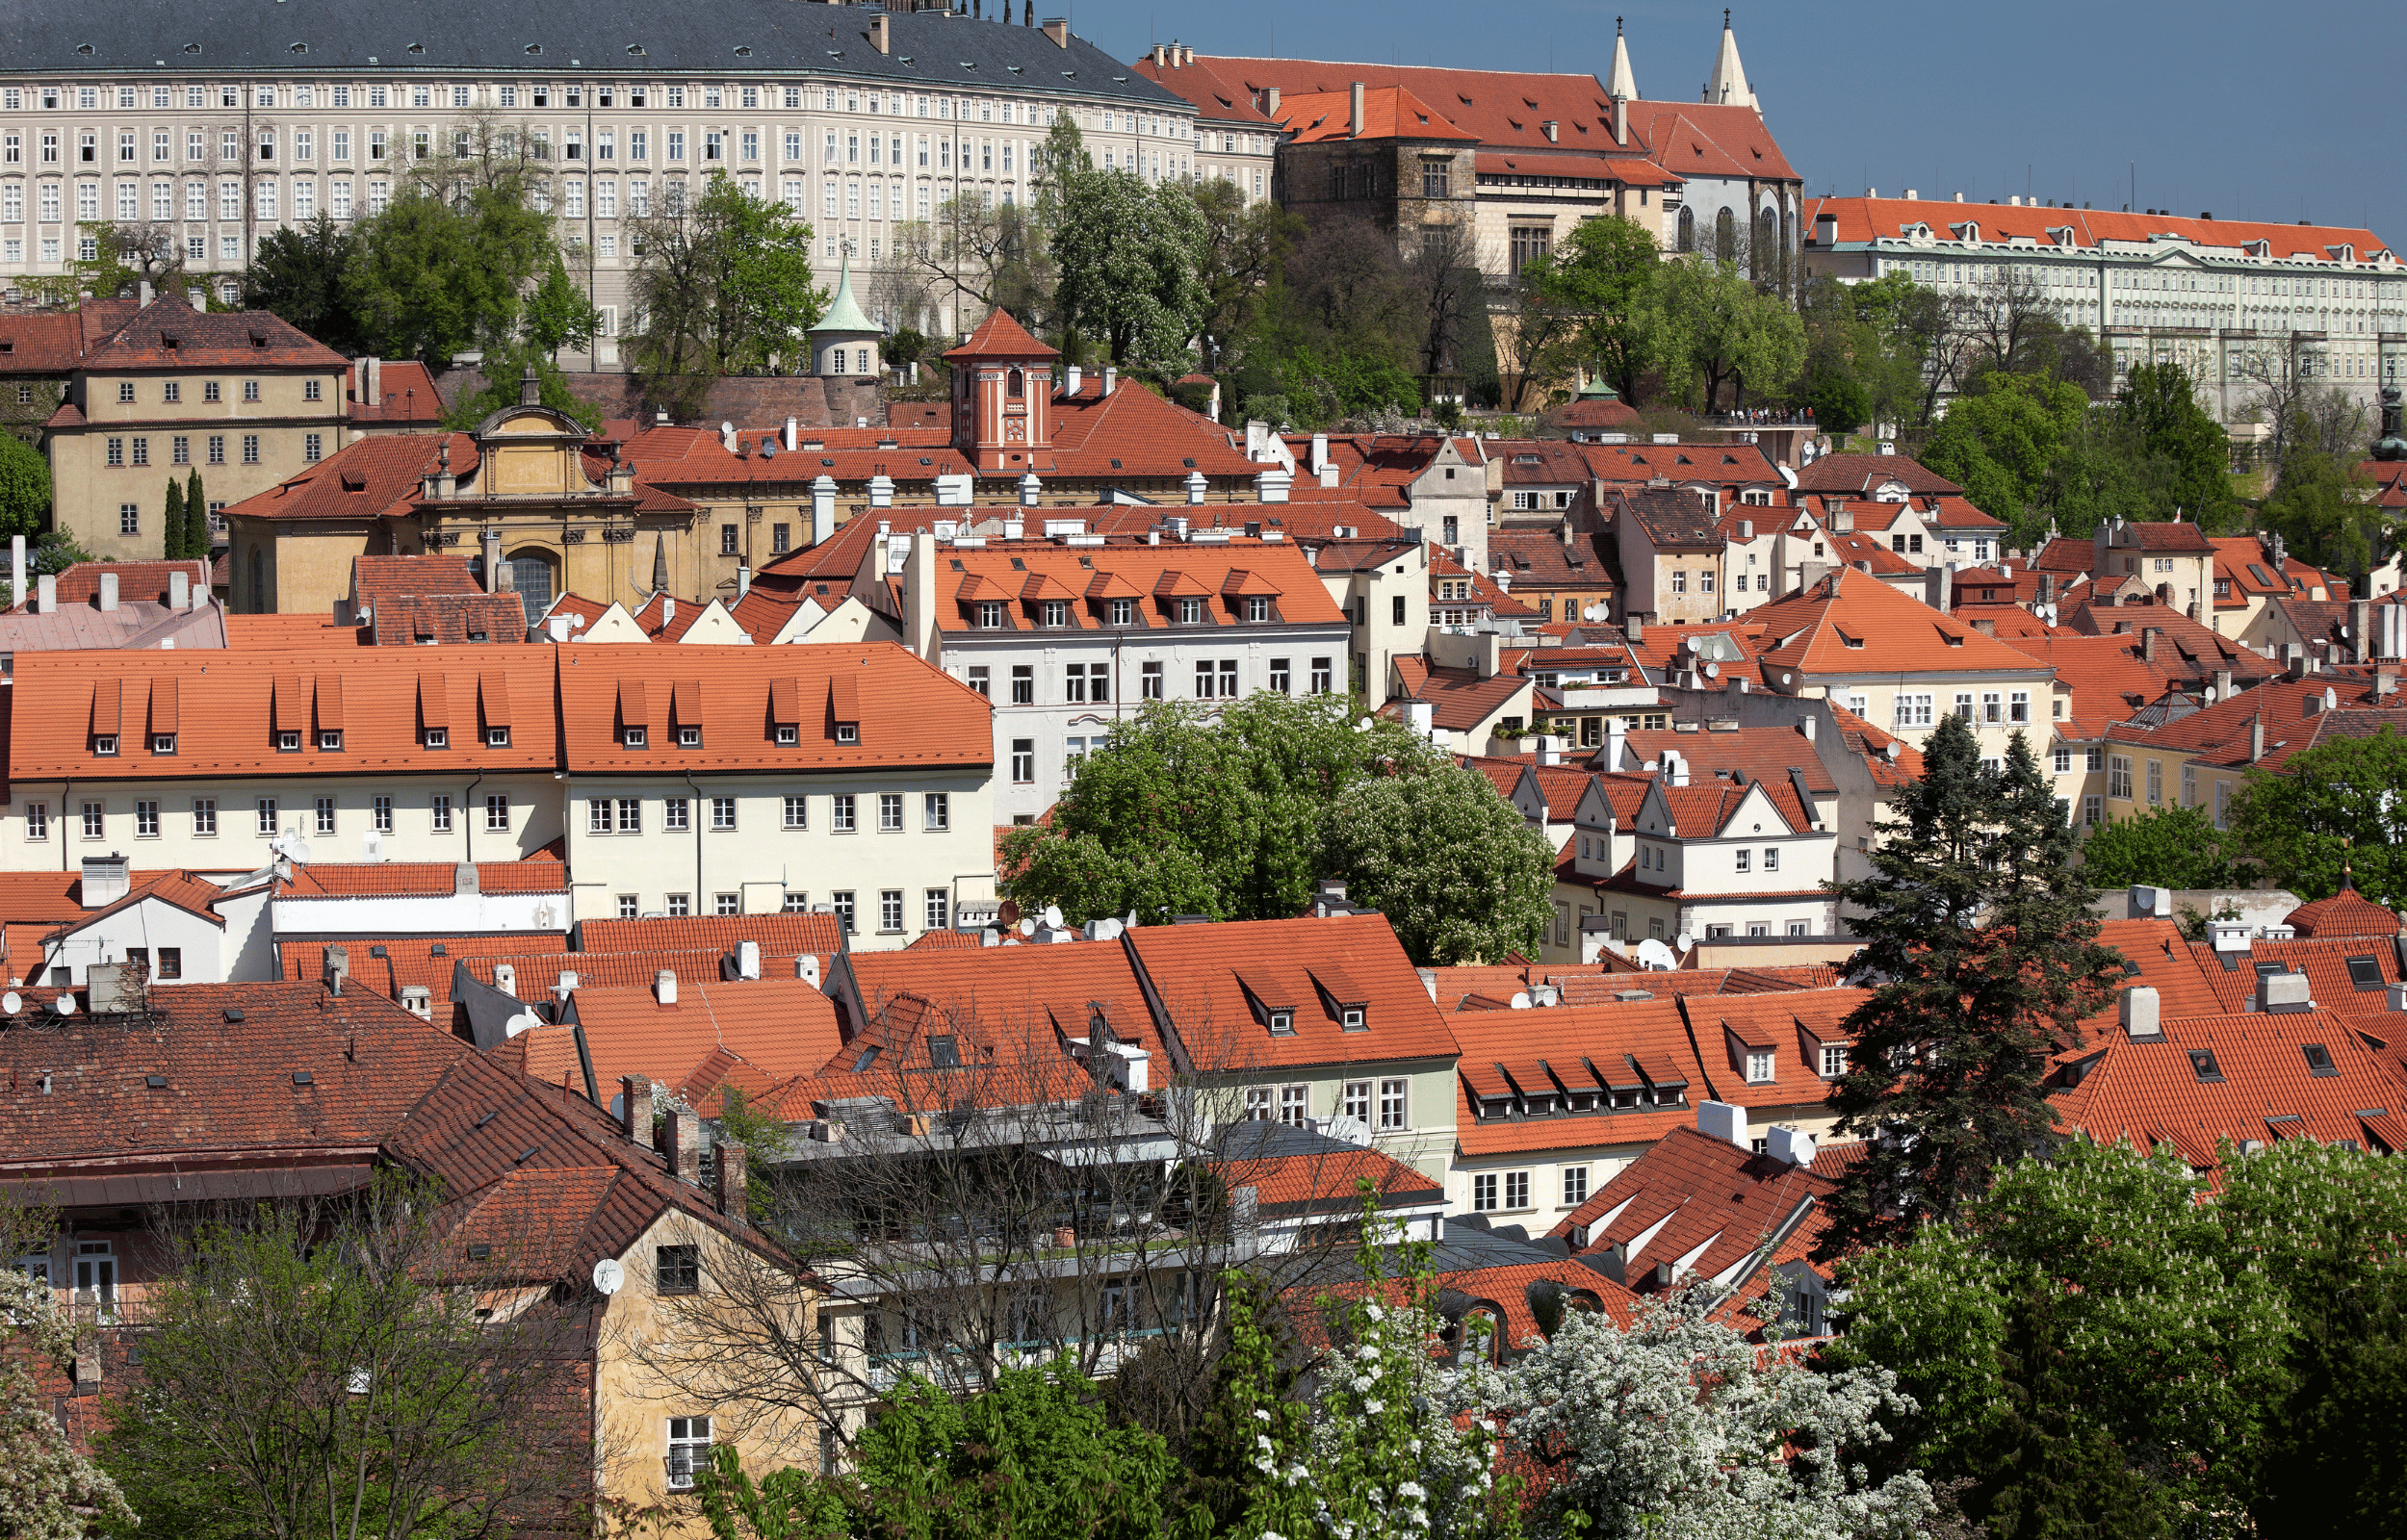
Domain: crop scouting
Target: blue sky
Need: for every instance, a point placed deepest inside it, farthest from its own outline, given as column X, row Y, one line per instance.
column 2258, row 111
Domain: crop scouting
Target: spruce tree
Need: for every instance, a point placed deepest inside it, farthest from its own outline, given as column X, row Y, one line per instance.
column 1984, row 959
column 195, row 518
column 174, row 520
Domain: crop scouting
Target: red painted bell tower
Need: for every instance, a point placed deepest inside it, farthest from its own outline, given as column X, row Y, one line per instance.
column 1003, row 398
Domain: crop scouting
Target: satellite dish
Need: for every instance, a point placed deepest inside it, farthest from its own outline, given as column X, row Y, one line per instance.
column 1655, row 956
column 1365, row 726
column 1027, row 926
column 1521, row 1001
column 11, row 1002
column 1684, row 941
column 2210, row 702
column 521, row 1022
column 295, row 849
column 608, row 1275
column 64, row 1005
column 1713, row 671
column 1053, row 916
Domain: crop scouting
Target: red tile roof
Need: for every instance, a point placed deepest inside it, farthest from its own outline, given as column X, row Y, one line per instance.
column 2345, row 913
column 2261, row 1084
column 401, row 878
column 1861, row 219
column 1852, row 623
column 409, row 397
column 1220, row 982
column 1556, row 1051
column 910, row 714
column 781, row 1028
column 999, row 336
column 170, row 334
column 779, row 934
column 371, row 478
column 1216, row 98
column 1024, row 997
column 1699, row 1200
column 1388, row 112
column 232, row 704
column 38, row 342
column 146, row 581
column 1860, row 473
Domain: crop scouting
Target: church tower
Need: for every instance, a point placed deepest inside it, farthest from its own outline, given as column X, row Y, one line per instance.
column 1003, row 398
column 1727, row 86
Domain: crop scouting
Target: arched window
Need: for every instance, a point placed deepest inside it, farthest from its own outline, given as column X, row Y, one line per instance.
column 1688, row 229
column 1018, row 386
column 1767, row 244
column 1726, row 238
column 530, row 575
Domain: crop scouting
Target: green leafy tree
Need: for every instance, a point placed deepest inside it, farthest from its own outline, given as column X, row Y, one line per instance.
column 2321, row 506
column 1131, row 256
column 503, row 370
column 559, row 315
column 2332, row 807
column 1708, row 324
column 444, row 270
column 2164, row 847
column 1244, row 246
column 315, row 1372
column 176, row 536
column 2090, row 1311
column 56, row 551
column 2095, row 478
column 1839, row 401
column 2160, row 404
column 1184, row 815
column 1600, row 277
column 1984, row 956
column 1999, row 439
column 303, row 272
column 1456, row 869
column 24, row 487
column 723, row 285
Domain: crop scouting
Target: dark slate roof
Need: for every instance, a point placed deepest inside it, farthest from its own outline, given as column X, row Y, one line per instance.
column 564, row 40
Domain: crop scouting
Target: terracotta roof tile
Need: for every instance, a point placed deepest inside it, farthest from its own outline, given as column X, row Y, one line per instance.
column 1861, row 219
column 1632, row 1064
column 1697, row 1200
column 1195, row 971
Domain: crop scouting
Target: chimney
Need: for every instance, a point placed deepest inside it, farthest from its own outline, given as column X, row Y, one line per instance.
column 747, row 959
column 2361, row 630
column 108, row 592
column 1197, row 487
column 492, row 561
column 16, row 571
column 1938, row 583
column 664, row 987
column 2256, row 737
column 1720, row 1120
column 1272, row 484
column 1353, row 124
column 2223, row 684
column 878, row 39
column 1621, row 121
column 1072, row 379
column 375, row 382
column 1616, row 746
column 822, row 509
column 505, row 978
column 46, row 594
column 1031, row 490
column 179, row 589
column 881, row 491
column 1057, row 28
column 634, row 1108
column 682, row 1146
column 728, row 1172
column 1111, row 379
column 143, row 296
column 2139, row 1005
column 2148, row 643
column 1270, row 101
column 1806, row 727
column 790, row 440
column 1634, row 626
column 727, row 437
column 2277, row 992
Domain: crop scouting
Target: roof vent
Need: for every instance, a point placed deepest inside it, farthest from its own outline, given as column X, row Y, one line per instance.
column 155, row 1082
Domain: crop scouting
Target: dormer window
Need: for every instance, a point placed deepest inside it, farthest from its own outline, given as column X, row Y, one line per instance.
column 287, row 740
column 1124, row 613
column 330, row 739
column 990, row 614
column 1351, row 1019
column 1056, row 613
column 497, row 738
column 944, row 1053
column 162, row 743
column 689, row 737
column 1258, row 610
column 633, row 737
column 1190, row 612
column 1282, row 1023
column 1759, row 1067
column 788, row 735
column 435, row 738
column 849, row 732
column 104, row 743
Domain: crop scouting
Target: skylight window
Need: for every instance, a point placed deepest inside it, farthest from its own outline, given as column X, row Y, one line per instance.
column 2319, row 1059
column 2203, row 1065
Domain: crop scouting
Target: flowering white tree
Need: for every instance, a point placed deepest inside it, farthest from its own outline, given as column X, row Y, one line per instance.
column 1680, row 1428
column 1392, row 1442
column 48, row 1491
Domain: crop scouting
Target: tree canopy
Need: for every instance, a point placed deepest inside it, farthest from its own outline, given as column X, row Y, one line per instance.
column 1999, row 440
column 2332, row 806
column 303, row 273
column 722, row 285
column 2163, row 847
column 1131, row 256
column 24, row 487
column 436, row 275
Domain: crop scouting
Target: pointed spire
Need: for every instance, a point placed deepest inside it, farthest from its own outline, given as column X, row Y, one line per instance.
column 1622, row 83
column 659, row 564
column 1728, row 86
column 844, row 312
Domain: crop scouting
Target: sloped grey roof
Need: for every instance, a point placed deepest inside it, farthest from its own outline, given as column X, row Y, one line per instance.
column 562, row 40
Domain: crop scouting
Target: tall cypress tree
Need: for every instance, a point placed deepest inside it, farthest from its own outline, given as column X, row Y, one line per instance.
column 174, row 534
column 195, row 518
column 1984, row 957
column 2053, row 1474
